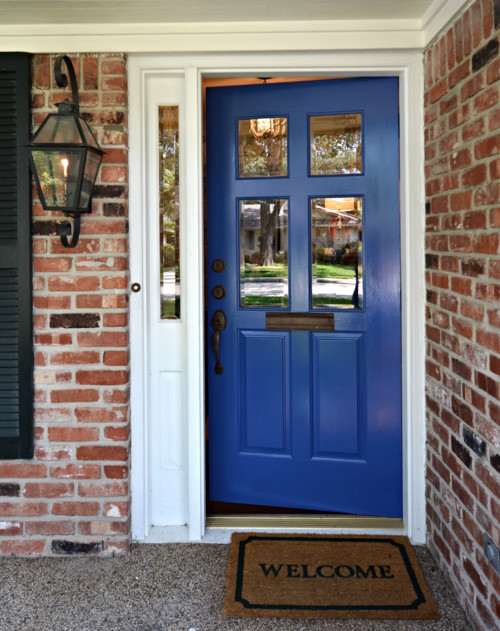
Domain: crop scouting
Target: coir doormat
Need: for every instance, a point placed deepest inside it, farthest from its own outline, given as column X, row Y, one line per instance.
column 316, row 576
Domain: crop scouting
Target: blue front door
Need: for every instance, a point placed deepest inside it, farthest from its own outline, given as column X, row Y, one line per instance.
column 304, row 327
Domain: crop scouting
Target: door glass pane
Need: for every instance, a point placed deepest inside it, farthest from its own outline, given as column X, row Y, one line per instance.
column 335, row 144
column 337, row 252
column 169, row 211
column 264, row 253
column 262, row 147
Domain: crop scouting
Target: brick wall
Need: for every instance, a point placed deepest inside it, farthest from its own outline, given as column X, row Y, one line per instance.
column 73, row 497
column 462, row 137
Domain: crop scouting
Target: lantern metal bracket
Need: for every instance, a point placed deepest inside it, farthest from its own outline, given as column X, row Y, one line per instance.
column 65, row 230
column 62, row 79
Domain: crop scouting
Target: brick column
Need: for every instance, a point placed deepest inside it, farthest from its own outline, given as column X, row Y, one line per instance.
column 73, row 498
column 462, row 138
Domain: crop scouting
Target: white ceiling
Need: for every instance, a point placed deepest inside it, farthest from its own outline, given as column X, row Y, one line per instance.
column 17, row 12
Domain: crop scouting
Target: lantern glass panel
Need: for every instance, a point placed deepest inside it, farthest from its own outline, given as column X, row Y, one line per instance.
column 58, row 129
column 89, row 176
column 88, row 135
column 57, row 174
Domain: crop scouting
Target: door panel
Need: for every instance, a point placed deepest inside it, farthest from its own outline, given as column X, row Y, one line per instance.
column 305, row 418
column 264, row 421
column 336, row 396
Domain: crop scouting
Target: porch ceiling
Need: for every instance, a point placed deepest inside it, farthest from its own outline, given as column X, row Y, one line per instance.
column 220, row 25
column 168, row 11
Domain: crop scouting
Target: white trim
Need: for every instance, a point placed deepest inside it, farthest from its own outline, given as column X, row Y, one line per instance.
column 406, row 65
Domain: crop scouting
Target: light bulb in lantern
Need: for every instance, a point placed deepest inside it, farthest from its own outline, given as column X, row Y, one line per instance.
column 65, row 164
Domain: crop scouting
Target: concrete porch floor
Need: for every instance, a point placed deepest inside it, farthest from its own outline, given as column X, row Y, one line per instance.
column 174, row 587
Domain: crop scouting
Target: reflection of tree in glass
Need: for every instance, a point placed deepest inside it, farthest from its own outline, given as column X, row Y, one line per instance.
column 262, row 157
column 169, row 182
column 336, row 152
column 53, row 187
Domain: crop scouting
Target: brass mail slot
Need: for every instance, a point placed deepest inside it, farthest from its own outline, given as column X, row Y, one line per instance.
column 299, row 321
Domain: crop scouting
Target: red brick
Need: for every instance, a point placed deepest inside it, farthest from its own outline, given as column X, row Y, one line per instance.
column 22, row 509
column 485, row 100
column 75, row 357
column 107, row 264
column 48, row 489
column 486, row 243
column 115, row 320
column 103, row 339
column 102, row 453
column 106, row 489
column 113, row 66
column 475, row 175
column 53, row 415
column 460, row 243
column 116, row 433
column 10, row 528
column 71, row 396
column 76, row 472
column 472, row 310
column 487, row 147
column 53, row 339
column 75, row 508
column 16, row 547
column 487, row 10
column 11, row 470
column 472, row 87
column 49, row 528
column 84, row 246
column 116, row 396
column 474, row 220
column 461, row 201
column 53, row 453
column 473, row 130
column 74, row 283
column 103, row 528
column 116, row 509
column 51, row 302
column 100, row 415
column 487, row 194
column 73, row 434
column 116, row 472
column 102, row 377
column 495, row 218
column 460, row 159
column 51, row 264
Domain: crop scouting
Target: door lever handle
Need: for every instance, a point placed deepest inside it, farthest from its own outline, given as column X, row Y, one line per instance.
column 218, row 325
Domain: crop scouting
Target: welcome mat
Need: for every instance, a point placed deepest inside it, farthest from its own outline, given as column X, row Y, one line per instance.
column 317, row 576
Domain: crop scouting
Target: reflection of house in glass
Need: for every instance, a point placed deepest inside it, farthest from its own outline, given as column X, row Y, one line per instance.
column 336, row 252
column 264, row 252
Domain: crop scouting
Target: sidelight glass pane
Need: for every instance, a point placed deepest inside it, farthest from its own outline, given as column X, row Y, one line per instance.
column 336, row 146
column 169, row 211
column 337, row 252
column 264, row 253
column 262, row 147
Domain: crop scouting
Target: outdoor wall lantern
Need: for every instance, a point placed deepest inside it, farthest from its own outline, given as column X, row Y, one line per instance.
column 65, row 158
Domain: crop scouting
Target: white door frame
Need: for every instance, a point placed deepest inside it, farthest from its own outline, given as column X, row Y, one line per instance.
column 404, row 64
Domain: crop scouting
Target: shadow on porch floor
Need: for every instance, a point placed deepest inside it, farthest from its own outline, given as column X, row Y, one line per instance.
column 174, row 587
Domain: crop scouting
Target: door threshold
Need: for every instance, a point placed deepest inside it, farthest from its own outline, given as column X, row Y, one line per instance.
column 307, row 522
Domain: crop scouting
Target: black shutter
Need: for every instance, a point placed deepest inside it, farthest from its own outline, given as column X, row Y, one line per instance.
column 16, row 363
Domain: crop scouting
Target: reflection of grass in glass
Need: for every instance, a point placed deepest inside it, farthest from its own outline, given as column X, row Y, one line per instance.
column 170, row 309
column 324, row 270
column 331, row 301
column 260, row 271
column 256, row 301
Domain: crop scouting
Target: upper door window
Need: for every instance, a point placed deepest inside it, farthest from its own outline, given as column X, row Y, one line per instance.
column 335, row 144
column 262, row 147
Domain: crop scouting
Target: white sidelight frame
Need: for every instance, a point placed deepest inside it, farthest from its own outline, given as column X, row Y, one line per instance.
column 405, row 64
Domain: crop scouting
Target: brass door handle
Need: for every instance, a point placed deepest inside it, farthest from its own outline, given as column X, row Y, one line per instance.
column 218, row 324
